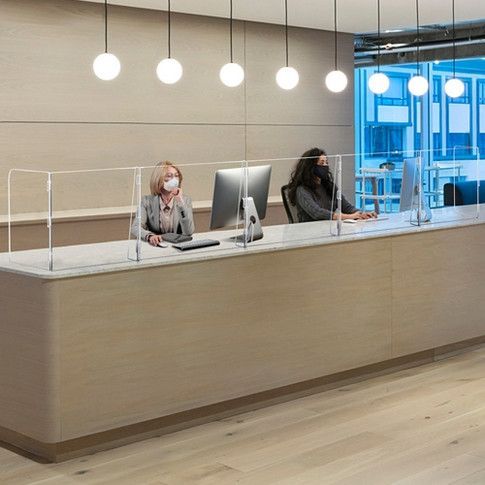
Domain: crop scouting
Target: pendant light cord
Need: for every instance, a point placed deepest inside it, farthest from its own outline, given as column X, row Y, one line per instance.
column 286, row 30
column 417, row 36
column 230, row 32
column 106, row 26
column 454, row 36
column 335, row 31
column 378, row 35
column 169, row 28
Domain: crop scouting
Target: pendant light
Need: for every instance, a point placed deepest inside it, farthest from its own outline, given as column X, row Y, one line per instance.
column 106, row 66
column 454, row 87
column 287, row 77
column 417, row 85
column 169, row 70
column 336, row 81
column 231, row 74
column 378, row 82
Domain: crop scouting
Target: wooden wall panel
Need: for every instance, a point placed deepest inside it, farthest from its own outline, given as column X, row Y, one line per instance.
column 311, row 53
column 438, row 288
column 236, row 326
column 57, row 115
column 29, row 348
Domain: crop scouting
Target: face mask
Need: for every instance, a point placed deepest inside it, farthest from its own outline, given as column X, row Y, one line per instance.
column 321, row 171
column 172, row 184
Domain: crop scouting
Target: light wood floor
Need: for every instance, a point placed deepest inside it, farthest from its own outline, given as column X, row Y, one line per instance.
column 424, row 425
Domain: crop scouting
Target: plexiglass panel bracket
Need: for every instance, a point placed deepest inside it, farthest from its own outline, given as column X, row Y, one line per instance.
column 138, row 212
column 420, row 211
column 252, row 224
column 49, row 221
column 337, row 213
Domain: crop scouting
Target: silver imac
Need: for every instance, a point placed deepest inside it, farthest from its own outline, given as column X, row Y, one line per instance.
column 412, row 195
column 231, row 207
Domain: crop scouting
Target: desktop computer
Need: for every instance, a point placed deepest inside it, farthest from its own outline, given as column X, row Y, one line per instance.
column 412, row 195
column 231, row 204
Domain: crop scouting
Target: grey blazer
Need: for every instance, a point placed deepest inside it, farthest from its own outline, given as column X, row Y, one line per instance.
column 183, row 218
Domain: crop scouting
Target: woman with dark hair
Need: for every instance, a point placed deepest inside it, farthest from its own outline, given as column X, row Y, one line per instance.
column 313, row 191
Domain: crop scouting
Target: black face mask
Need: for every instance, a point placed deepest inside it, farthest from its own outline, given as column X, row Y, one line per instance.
column 321, row 171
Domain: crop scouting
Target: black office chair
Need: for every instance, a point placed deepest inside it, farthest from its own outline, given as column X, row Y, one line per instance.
column 289, row 207
column 464, row 193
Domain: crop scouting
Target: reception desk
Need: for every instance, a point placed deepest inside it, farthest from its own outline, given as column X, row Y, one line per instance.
column 104, row 350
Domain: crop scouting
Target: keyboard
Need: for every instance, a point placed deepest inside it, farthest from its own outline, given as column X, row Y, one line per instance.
column 196, row 244
column 373, row 219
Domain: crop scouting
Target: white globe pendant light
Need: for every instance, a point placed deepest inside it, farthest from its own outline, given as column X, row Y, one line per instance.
column 336, row 81
column 169, row 70
column 418, row 85
column 378, row 83
column 231, row 74
column 287, row 77
column 454, row 87
column 106, row 66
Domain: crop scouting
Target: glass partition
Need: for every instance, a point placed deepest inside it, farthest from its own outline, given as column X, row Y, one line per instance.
column 98, row 204
column 285, row 223
column 207, row 210
column 28, row 218
column 225, row 208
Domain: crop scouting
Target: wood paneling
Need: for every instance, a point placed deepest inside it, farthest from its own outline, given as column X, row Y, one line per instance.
column 437, row 289
column 29, row 372
column 46, row 54
column 95, row 353
column 293, row 141
column 51, row 44
column 248, row 328
column 311, row 54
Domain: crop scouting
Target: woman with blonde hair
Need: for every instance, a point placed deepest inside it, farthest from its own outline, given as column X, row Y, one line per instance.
column 167, row 209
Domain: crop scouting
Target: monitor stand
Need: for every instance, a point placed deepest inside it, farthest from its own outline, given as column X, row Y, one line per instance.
column 253, row 230
column 419, row 212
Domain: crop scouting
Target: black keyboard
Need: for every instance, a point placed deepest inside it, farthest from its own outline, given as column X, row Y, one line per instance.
column 196, row 244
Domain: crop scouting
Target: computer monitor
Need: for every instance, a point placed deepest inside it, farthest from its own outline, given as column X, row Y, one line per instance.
column 229, row 204
column 411, row 188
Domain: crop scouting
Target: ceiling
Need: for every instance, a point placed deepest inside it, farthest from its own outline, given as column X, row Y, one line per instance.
column 355, row 16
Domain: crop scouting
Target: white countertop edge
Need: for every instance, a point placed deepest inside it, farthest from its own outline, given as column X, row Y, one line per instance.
column 259, row 247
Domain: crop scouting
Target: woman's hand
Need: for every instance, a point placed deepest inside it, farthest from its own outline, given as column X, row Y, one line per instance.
column 369, row 215
column 178, row 194
column 354, row 215
column 154, row 240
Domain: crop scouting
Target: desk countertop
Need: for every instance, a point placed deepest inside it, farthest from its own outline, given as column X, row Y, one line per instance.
column 89, row 259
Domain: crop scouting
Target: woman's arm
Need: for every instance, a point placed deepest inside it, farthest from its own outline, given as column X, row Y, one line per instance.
column 145, row 233
column 347, row 207
column 186, row 216
column 305, row 200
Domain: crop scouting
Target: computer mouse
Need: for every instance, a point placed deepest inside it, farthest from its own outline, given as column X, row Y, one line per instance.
column 350, row 221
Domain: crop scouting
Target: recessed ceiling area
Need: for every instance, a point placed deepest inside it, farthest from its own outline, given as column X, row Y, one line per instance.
column 355, row 16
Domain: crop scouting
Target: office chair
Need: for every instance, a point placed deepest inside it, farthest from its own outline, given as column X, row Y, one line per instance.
column 463, row 193
column 289, row 207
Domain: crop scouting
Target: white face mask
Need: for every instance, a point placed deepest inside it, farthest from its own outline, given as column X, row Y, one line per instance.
column 172, row 184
